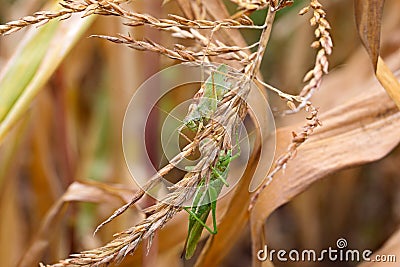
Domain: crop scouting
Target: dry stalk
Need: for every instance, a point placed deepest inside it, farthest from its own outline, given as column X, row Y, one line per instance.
column 181, row 52
column 252, row 68
column 253, row 5
column 69, row 7
column 112, row 7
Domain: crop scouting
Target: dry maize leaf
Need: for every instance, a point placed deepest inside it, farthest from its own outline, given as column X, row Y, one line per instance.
column 368, row 15
column 388, row 81
column 14, row 226
column 390, row 248
column 186, row 8
column 217, row 11
column 12, row 222
column 44, row 181
column 10, row 152
column 361, row 131
column 77, row 191
column 96, row 192
column 34, row 61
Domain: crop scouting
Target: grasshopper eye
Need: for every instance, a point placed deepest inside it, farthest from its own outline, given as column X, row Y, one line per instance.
column 191, row 125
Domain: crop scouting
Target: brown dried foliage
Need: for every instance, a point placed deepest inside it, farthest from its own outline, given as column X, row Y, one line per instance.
column 206, row 48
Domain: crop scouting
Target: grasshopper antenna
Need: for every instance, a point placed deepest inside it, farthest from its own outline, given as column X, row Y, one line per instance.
column 170, row 138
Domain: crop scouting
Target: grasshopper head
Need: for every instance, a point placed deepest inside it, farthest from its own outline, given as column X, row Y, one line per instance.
column 192, row 125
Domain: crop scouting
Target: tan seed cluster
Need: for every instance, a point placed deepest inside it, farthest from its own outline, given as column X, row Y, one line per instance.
column 324, row 45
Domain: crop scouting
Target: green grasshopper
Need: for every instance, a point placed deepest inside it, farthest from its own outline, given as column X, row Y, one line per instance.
column 205, row 198
column 210, row 93
column 199, row 212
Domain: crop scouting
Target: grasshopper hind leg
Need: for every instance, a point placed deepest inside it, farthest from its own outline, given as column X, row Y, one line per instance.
column 211, row 231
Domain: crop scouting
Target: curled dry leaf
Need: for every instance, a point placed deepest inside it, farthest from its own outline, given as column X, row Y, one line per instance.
column 388, row 81
column 77, row 191
column 368, row 15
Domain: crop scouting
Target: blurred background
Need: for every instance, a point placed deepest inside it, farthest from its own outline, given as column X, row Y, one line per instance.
column 72, row 132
